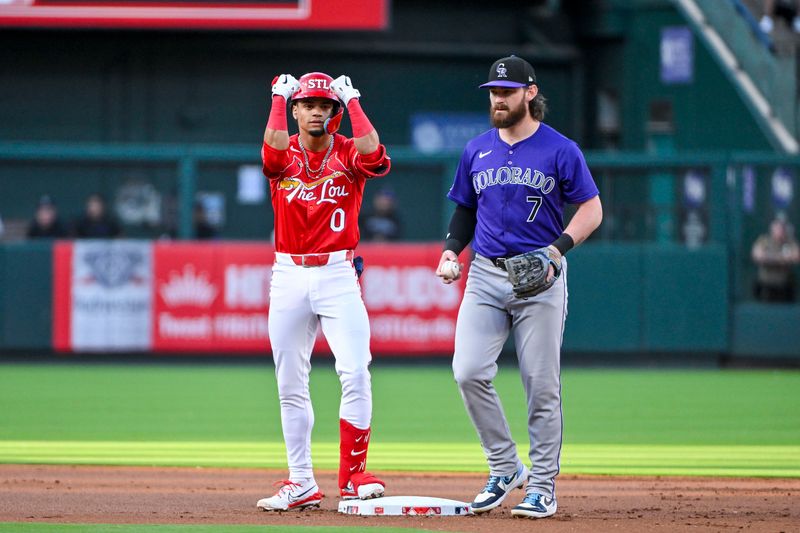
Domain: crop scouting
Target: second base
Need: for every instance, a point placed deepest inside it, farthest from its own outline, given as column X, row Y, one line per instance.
column 405, row 505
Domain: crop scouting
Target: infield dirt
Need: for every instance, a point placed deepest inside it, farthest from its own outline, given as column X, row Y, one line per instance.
column 138, row 495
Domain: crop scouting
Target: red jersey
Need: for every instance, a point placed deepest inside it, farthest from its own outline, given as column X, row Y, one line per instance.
column 317, row 212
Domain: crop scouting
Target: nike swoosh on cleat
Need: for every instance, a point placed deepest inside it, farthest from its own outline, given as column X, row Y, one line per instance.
column 484, row 154
column 299, row 496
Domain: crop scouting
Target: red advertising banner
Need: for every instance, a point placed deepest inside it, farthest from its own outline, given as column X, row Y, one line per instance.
column 211, row 297
column 214, row 297
column 410, row 309
column 198, row 14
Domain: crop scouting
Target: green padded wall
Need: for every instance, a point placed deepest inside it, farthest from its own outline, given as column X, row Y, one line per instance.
column 647, row 298
column 769, row 330
column 685, row 298
column 605, row 303
column 26, row 288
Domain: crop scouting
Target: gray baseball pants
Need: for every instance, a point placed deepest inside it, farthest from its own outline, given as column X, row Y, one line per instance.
column 489, row 311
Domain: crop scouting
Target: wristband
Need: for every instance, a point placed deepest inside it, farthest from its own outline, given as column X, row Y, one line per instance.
column 277, row 114
column 564, row 243
column 454, row 245
column 358, row 119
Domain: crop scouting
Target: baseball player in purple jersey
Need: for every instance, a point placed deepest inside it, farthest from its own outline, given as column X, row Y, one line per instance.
column 510, row 189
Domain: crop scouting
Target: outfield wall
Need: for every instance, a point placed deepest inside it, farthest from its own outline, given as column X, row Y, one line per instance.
column 194, row 297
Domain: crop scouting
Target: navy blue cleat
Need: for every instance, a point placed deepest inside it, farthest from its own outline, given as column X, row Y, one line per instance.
column 536, row 505
column 497, row 488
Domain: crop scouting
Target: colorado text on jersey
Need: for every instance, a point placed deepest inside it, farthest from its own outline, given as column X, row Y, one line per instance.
column 513, row 176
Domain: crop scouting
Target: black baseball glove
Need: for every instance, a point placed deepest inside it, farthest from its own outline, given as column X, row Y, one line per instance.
column 528, row 272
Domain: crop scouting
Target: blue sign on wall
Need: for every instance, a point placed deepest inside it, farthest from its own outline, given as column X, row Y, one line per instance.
column 782, row 188
column 677, row 55
column 443, row 132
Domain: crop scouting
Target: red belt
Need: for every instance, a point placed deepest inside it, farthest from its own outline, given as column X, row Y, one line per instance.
column 316, row 260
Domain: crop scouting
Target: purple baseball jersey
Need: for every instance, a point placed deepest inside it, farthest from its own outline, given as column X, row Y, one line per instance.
column 519, row 191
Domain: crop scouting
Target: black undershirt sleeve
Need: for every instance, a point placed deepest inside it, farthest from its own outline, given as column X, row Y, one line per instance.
column 461, row 229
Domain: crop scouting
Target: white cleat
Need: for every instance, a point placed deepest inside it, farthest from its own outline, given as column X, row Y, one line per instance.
column 363, row 486
column 536, row 505
column 364, row 492
column 292, row 496
column 497, row 488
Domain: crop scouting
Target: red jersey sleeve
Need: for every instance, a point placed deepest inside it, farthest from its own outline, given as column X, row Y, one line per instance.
column 374, row 165
column 274, row 161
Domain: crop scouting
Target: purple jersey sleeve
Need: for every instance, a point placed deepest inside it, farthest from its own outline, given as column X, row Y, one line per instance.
column 462, row 191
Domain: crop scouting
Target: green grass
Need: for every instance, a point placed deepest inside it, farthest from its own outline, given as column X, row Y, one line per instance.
column 636, row 459
column 616, row 421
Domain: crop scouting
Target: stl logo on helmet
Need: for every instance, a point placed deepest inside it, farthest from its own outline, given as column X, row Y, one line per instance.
column 318, row 83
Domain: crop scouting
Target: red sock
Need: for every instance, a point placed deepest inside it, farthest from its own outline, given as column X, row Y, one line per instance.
column 353, row 444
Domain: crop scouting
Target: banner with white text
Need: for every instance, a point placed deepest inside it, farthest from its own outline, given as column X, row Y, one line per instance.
column 214, row 297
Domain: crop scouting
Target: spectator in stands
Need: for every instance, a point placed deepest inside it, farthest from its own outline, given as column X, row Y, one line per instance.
column 776, row 254
column 45, row 223
column 788, row 10
column 382, row 222
column 96, row 222
column 202, row 227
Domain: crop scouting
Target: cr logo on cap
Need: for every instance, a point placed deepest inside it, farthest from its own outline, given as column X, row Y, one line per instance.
column 502, row 71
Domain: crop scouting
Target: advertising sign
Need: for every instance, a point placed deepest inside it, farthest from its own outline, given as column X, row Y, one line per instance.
column 108, row 293
column 214, row 297
column 198, row 14
column 211, row 297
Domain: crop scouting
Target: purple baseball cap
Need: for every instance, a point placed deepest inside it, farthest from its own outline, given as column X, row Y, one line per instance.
column 511, row 71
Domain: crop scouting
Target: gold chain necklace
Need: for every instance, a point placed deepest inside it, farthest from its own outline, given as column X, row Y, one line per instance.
column 314, row 173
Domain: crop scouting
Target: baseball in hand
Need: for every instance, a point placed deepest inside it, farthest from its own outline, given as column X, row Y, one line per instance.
column 450, row 270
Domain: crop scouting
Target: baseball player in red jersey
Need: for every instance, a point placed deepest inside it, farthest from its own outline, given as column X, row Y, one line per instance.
column 317, row 180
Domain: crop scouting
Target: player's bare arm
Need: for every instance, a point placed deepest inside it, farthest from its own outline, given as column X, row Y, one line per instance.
column 276, row 133
column 586, row 219
column 368, row 143
column 365, row 137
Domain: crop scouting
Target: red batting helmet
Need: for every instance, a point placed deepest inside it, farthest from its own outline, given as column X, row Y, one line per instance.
column 315, row 85
column 318, row 85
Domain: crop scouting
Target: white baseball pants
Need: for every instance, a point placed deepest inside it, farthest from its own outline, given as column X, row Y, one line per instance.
column 301, row 300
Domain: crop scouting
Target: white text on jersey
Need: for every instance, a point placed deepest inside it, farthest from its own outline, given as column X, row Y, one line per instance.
column 512, row 176
column 328, row 192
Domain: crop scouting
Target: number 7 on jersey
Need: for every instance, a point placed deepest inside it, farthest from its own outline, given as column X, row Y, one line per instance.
column 537, row 203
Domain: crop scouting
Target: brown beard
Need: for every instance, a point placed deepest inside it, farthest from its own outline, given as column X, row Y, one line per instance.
column 513, row 117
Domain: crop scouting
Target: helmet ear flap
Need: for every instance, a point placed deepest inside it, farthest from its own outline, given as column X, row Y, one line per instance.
column 332, row 123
